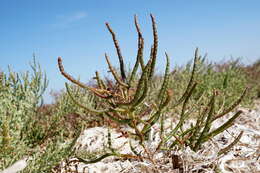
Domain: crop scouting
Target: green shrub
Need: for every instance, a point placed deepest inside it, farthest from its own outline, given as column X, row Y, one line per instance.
column 227, row 79
column 27, row 127
column 20, row 94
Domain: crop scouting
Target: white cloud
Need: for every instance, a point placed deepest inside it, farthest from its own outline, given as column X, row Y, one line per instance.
column 76, row 16
column 66, row 20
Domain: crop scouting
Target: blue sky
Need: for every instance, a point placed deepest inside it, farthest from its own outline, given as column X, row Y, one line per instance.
column 75, row 30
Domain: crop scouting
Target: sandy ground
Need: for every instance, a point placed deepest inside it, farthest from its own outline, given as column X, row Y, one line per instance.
column 244, row 157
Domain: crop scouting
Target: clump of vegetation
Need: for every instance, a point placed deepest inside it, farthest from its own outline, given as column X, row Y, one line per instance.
column 19, row 96
column 26, row 130
column 137, row 102
column 138, row 99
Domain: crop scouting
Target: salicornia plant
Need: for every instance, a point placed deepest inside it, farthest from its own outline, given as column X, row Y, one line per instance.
column 20, row 95
column 128, row 102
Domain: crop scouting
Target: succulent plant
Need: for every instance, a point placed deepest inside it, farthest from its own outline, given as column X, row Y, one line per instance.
column 127, row 101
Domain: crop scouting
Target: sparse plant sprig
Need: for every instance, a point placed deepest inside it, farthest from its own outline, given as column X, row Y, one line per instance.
column 100, row 82
column 155, row 47
column 115, row 75
column 229, row 109
column 227, row 148
column 164, row 98
column 40, row 82
column 191, row 80
column 207, row 125
column 139, row 58
column 202, row 131
column 118, row 50
column 84, row 107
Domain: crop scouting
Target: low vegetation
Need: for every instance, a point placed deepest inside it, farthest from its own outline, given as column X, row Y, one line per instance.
column 137, row 99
